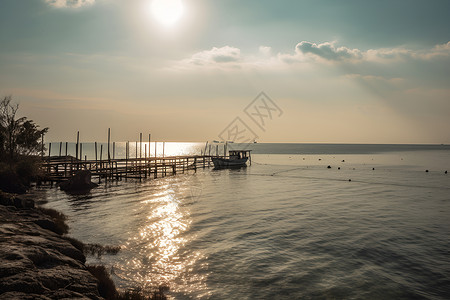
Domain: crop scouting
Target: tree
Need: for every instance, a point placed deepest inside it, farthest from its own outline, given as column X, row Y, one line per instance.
column 18, row 137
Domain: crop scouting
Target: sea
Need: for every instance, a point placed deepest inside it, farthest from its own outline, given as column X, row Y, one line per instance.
column 303, row 221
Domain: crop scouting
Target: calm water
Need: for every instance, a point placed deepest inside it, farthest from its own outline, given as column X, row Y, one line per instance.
column 285, row 228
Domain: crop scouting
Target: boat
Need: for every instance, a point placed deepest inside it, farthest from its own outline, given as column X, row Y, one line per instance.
column 236, row 158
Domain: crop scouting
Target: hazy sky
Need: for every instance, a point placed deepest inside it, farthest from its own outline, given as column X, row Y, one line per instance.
column 341, row 71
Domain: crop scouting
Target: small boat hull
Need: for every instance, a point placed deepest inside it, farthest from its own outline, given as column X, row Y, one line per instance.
column 220, row 163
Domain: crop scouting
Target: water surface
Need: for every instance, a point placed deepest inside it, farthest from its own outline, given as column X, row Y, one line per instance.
column 373, row 226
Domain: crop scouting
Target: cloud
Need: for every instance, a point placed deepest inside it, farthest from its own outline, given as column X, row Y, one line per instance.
column 401, row 54
column 265, row 50
column 223, row 55
column 69, row 3
column 328, row 51
column 309, row 53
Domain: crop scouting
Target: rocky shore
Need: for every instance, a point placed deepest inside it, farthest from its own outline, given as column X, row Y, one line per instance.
column 36, row 260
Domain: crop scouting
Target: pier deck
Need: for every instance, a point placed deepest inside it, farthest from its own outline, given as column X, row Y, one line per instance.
column 60, row 168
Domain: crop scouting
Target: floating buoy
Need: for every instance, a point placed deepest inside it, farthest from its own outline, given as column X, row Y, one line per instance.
column 349, row 180
column 339, row 168
column 329, row 167
column 343, row 160
column 445, row 172
column 373, row 168
column 320, row 159
column 426, row 171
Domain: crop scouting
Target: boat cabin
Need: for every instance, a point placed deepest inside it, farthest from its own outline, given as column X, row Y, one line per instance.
column 239, row 154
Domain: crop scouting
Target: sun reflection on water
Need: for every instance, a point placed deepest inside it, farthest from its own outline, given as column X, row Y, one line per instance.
column 158, row 255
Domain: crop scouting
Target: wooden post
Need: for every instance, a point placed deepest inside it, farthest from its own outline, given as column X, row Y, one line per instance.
column 164, row 161
column 42, row 146
column 140, row 155
column 145, row 161
column 156, row 161
column 49, row 151
column 76, row 147
column 96, row 160
column 81, row 156
column 140, row 145
column 101, row 165
column 60, row 148
column 126, row 159
column 65, row 165
column 114, row 150
column 109, row 141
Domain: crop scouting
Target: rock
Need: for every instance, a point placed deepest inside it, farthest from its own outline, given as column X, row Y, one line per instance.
column 79, row 183
column 37, row 263
column 15, row 200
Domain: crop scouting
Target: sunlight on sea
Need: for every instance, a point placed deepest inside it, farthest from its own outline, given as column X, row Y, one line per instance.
column 373, row 224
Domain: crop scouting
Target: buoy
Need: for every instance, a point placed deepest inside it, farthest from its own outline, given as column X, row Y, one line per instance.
column 343, row 160
column 329, row 167
column 445, row 172
column 426, row 171
column 373, row 168
column 349, row 180
column 339, row 168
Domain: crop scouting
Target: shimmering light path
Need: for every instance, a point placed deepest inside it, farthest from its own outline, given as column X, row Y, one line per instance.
column 287, row 227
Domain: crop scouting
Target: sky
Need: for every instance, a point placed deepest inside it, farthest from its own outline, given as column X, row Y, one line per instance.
column 350, row 71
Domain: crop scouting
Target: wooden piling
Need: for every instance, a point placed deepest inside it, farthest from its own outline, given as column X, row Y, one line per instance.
column 76, row 147
column 140, row 145
column 156, row 161
column 109, row 141
column 42, row 146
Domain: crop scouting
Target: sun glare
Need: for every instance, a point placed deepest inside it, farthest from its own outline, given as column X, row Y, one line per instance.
column 167, row 12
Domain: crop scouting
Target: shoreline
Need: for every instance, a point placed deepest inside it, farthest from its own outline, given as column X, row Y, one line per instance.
column 39, row 261
column 36, row 260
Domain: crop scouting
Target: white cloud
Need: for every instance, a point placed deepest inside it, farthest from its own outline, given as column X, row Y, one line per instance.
column 223, row 55
column 228, row 57
column 328, row 51
column 69, row 3
column 266, row 51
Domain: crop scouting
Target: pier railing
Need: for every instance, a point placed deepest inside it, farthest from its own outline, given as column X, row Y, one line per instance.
column 60, row 168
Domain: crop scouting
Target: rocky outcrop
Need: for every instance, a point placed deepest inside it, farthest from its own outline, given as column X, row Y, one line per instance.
column 36, row 262
column 79, row 183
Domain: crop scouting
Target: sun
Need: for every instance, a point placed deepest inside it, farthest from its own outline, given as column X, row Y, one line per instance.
column 167, row 12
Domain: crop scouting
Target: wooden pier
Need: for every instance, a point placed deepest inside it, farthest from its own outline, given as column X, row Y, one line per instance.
column 139, row 165
column 60, row 168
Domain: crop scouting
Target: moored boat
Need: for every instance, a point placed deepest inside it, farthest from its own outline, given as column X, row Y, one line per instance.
column 236, row 158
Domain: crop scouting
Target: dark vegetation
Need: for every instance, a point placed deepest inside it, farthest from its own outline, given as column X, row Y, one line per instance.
column 20, row 148
column 59, row 220
column 108, row 290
